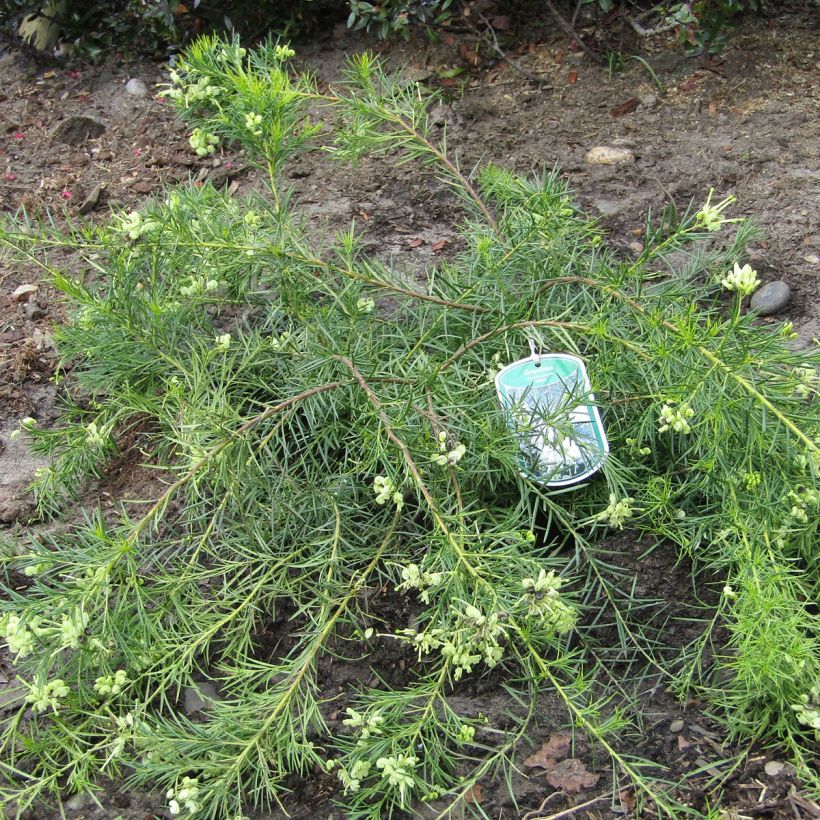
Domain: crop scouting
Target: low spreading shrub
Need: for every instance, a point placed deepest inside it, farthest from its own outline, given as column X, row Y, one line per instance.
column 341, row 482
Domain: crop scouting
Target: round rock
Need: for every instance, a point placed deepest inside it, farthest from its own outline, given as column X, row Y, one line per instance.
column 609, row 155
column 771, row 298
column 136, row 87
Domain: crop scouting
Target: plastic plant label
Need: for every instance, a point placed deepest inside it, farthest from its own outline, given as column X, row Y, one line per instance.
column 547, row 400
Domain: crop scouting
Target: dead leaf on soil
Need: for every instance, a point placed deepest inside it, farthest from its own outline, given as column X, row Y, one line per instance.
column 625, row 107
column 572, row 776
column 415, row 243
column 683, row 743
column 555, row 748
column 572, row 76
column 439, row 246
column 475, row 794
column 501, row 23
column 627, row 799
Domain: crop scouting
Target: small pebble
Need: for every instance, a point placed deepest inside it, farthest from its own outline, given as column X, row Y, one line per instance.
column 93, row 199
column 771, row 298
column 649, row 100
column 608, row 155
column 136, row 87
column 34, row 311
column 23, row 292
column 199, row 697
column 774, row 768
column 812, row 259
column 676, row 726
column 636, row 247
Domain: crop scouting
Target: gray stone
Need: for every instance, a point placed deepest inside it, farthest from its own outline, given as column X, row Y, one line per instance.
column 609, row 155
column 93, row 199
column 77, row 129
column 649, row 100
column 676, row 726
column 609, row 207
column 136, row 87
column 34, row 311
column 77, row 802
column 199, row 697
column 771, row 298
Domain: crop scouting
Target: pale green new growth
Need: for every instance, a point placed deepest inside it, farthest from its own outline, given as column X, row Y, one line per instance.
column 340, row 482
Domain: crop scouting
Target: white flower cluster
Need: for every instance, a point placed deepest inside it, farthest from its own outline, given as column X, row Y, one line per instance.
column 806, row 381
column 447, row 456
column 415, row 578
column 252, row 219
column 198, row 285
column 352, row 780
column 112, row 684
column 184, row 797
column 476, row 638
column 28, row 423
column 125, row 727
column 742, row 280
column 202, row 142
column 253, row 123
column 222, row 343
column 96, row 437
column 493, row 369
column 282, row 53
column 801, row 500
column 386, row 490
column 543, row 600
column 618, row 511
column 365, row 305
column 711, row 216
column 368, row 725
column 72, row 628
column 41, row 696
column 398, row 771
column 192, row 93
column 807, row 711
column 134, row 225
column 675, row 418
column 19, row 638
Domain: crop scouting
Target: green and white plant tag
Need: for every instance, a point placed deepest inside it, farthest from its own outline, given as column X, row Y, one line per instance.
column 548, row 403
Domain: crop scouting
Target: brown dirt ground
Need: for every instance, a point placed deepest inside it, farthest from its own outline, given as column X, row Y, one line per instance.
column 744, row 123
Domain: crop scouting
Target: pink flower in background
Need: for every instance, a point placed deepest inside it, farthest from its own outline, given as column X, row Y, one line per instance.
column 66, row 194
column 19, row 135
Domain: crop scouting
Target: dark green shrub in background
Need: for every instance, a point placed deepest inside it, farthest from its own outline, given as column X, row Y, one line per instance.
column 148, row 25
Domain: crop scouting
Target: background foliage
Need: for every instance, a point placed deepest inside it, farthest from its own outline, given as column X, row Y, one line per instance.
column 150, row 24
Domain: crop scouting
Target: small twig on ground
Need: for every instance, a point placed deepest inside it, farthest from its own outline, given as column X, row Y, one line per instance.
column 809, row 806
column 559, row 18
column 528, row 75
column 566, row 812
column 533, row 815
column 572, row 809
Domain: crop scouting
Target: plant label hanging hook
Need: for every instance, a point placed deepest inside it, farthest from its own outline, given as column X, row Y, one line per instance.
column 548, row 402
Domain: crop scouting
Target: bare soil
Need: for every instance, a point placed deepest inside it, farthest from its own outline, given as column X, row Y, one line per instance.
column 744, row 123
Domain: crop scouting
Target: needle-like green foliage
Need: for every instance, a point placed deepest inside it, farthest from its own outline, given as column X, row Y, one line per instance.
column 298, row 397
